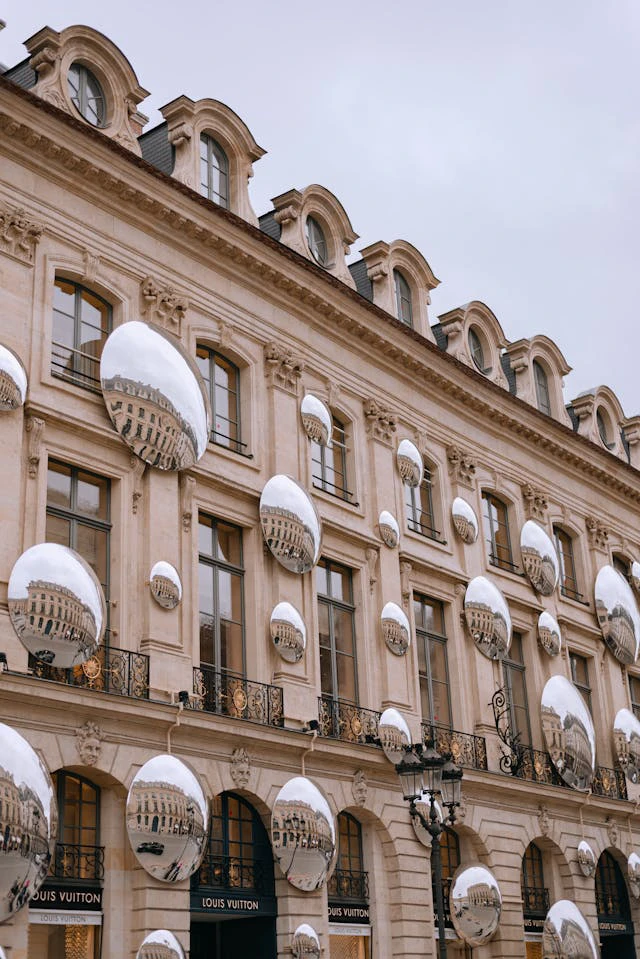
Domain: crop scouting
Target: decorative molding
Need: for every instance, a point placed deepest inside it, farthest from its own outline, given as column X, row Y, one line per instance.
column 373, row 555
column 461, row 814
column 612, row 831
column 225, row 334
column 597, row 532
column 421, row 441
column 35, row 428
column 381, row 423
column 19, row 235
column 91, row 266
column 359, row 788
column 287, row 213
column 89, row 742
column 137, row 468
column 462, row 466
column 163, row 304
column 406, row 570
column 535, row 502
column 240, row 767
column 544, row 820
column 282, row 368
column 333, row 393
column 180, row 134
column 187, row 489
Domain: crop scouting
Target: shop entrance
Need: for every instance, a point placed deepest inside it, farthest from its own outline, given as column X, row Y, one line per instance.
column 253, row 938
column 614, row 912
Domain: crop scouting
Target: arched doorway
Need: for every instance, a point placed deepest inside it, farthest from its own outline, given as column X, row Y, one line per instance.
column 348, row 895
column 614, row 912
column 233, row 904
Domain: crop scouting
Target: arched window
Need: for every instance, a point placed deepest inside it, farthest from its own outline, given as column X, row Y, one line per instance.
column 450, row 860
column 612, row 898
column 349, row 880
column 535, row 896
column 419, row 504
column 78, row 854
column 496, row 531
column 239, row 852
column 316, row 241
column 329, row 463
column 542, row 388
column 604, row 428
column 214, row 171
column 568, row 578
column 404, row 309
column 222, row 379
column 477, row 350
column 81, row 324
column 86, row 94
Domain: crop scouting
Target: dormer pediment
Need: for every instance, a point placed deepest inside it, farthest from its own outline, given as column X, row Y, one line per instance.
column 539, row 366
column 476, row 338
column 402, row 281
column 600, row 418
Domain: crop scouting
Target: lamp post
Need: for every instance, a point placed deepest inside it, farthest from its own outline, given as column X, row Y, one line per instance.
column 424, row 772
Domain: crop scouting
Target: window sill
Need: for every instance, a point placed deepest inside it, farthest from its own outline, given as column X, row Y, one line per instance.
column 511, row 568
column 335, row 498
column 228, row 448
column 584, row 603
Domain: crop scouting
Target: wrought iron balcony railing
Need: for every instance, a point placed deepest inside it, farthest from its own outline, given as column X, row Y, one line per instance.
column 72, row 861
column 346, row 721
column 535, row 765
column 231, row 872
column 231, row 695
column 535, row 901
column 109, row 670
column 465, row 749
column 609, row 782
column 346, row 884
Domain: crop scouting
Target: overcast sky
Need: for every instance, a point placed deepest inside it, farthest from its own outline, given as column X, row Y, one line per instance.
column 500, row 137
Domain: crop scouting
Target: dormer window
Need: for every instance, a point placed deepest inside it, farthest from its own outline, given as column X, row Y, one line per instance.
column 604, row 428
column 214, row 171
column 86, row 94
column 477, row 350
column 316, row 241
column 542, row 388
column 404, row 310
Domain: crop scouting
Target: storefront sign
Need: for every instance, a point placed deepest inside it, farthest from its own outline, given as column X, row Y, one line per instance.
column 75, row 898
column 534, row 925
column 59, row 918
column 615, row 927
column 232, row 904
column 341, row 912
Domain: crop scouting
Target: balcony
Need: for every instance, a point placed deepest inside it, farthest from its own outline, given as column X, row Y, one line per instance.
column 610, row 783
column 346, row 721
column 228, row 694
column 535, row 766
column 71, row 861
column 233, row 873
column 464, row 748
column 110, row 670
column 535, row 901
column 349, row 886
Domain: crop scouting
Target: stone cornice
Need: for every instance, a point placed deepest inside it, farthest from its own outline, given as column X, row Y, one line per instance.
column 402, row 345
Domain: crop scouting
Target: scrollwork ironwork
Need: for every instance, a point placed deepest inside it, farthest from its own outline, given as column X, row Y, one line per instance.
column 510, row 762
column 346, row 721
column 465, row 749
column 231, row 695
column 110, row 670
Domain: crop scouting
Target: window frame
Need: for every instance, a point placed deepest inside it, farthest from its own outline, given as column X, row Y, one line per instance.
column 213, row 356
column 79, row 97
column 403, row 295
column 76, row 354
column 214, row 152
column 339, row 433
column 426, row 638
column 634, row 680
column 316, row 237
column 215, row 564
column 576, row 659
column 415, row 498
column 491, row 501
column 564, row 547
column 509, row 667
column 532, row 868
column 477, row 350
column 327, row 599
column 543, row 402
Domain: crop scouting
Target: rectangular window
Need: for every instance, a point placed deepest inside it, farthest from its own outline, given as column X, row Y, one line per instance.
column 221, row 595
column 568, row 579
column 419, row 507
column 329, row 463
column 81, row 324
column 516, row 691
column 496, row 531
column 432, row 661
column 222, row 380
column 336, row 615
column 634, row 689
column 580, row 676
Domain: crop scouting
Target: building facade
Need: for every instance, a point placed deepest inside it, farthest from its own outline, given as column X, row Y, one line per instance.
column 102, row 223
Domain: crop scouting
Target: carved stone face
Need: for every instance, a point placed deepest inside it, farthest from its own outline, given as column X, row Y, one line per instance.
column 90, row 751
column 359, row 788
column 240, row 767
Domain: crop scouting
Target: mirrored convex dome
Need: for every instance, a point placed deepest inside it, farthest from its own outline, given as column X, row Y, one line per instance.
column 56, row 605
column 13, row 381
column 549, row 634
column 633, row 872
column 475, row 903
column 539, row 558
column 410, row 463
column 626, row 743
column 395, row 629
column 389, row 529
column 394, row 735
column 160, row 944
column 568, row 731
column 617, row 613
column 169, row 845
column 288, row 632
column 290, row 524
column 488, row 618
column 303, row 834
column 305, row 943
column 586, row 858
column 566, row 934
column 465, row 521
column 165, row 585
column 316, row 419
column 155, row 396
column 29, row 822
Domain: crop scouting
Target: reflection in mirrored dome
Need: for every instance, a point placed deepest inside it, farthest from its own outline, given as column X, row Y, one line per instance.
column 410, row 463
column 465, row 521
column 290, row 524
column 626, row 743
column 169, row 845
column 566, row 934
column 568, row 731
column 633, row 872
column 539, row 558
column 155, row 396
column 487, row 617
column 316, row 419
column 549, row 634
column 305, row 943
column 389, row 529
column 394, row 735
column 28, row 819
column 303, row 834
column 13, row 381
column 635, row 575
column 56, row 605
column 395, row 629
column 423, row 806
column 3, row 954
column 617, row 613
column 160, row 944
column 586, row 858
column 475, row 903
column 288, row 632
column 165, row 585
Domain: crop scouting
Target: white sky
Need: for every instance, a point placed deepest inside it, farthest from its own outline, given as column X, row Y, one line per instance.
column 500, row 138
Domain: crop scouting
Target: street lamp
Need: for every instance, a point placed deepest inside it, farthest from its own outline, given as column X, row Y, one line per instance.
column 425, row 773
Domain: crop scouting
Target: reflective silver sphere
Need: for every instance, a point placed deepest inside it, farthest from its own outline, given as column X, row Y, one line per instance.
column 633, row 872
column 316, row 419
column 423, row 806
column 305, row 943
column 165, row 585
column 410, row 463
column 389, row 529
column 549, row 634
column 56, row 605
column 13, row 381
column 160, row 944
column 635, row 575
column 568, row 731
column 566, row 934
column 167, row 818
column 395, row 629
column 28, row 821
column 475, row 903
column 290, row 524
column 303, row 834
column 626, row 743
column 288, row 632
column 617, row 614
column 586, row 858
column 155, row 396
column 465, row 521
column 488, row 618
column 394, row 735
column 539, row 558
